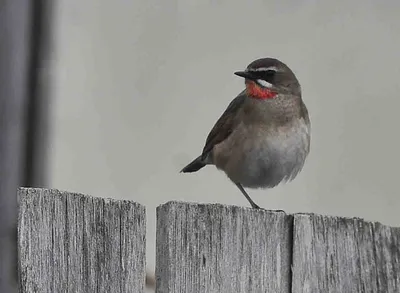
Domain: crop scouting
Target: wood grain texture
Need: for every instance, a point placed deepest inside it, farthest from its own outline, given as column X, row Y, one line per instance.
column 217, row 248
column 343, row 255
column 74, row 243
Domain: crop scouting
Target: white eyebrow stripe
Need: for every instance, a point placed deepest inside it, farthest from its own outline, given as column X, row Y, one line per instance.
column 264, row 83
column 273, row 68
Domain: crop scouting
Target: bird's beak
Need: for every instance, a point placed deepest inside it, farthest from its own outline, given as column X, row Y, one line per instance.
column 246, row 74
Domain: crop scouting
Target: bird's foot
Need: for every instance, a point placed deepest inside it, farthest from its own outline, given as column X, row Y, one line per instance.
column 278, row 211
column 255, row 206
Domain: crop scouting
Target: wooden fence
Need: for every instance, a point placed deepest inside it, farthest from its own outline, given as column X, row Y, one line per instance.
column 74, row 243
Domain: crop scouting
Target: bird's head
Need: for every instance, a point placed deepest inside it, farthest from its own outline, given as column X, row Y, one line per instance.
column 267, row 77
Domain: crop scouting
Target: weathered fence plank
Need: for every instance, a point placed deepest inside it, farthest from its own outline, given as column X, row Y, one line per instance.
column 216, row 248
column 74, row 243
column 333, row 254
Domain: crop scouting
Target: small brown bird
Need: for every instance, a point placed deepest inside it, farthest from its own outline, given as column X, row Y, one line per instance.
column 263, row 137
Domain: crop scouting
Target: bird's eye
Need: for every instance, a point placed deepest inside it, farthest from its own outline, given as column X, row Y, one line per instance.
column 269, row 74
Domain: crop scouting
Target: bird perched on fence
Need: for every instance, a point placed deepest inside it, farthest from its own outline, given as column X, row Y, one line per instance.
column 263, row 137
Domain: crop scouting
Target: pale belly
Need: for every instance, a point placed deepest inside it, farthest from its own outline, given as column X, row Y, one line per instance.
column 257, row 160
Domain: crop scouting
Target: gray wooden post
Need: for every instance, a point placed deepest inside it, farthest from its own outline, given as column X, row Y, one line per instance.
column 216, row 248
column 14, row 67
column 74, row 243
column 40, row 104
column 334, row 254
column 24, row 52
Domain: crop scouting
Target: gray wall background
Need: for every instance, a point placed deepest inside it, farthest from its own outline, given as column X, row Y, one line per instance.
column 139, row 84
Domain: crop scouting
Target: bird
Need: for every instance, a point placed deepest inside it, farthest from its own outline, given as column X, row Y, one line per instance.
column 262, row 139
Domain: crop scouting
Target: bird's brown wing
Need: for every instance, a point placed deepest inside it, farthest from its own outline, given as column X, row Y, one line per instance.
column 224, row 125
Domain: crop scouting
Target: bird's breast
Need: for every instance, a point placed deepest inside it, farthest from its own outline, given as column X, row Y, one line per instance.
column 258, row 156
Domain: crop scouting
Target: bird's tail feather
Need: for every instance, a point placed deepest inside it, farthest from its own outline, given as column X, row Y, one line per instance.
column 194, row 166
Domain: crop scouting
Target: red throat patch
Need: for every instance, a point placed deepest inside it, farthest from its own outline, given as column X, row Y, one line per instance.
column 256, row 91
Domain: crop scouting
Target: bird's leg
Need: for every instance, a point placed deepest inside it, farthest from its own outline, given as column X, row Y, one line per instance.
column 252, row 203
